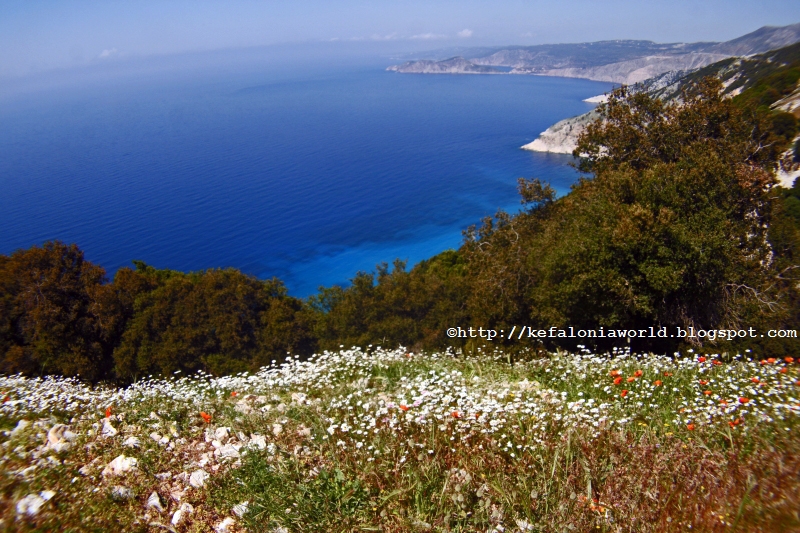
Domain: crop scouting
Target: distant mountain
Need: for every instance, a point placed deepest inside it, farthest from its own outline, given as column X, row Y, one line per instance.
column 454, row 65
column 761, row 40
column 622, row 61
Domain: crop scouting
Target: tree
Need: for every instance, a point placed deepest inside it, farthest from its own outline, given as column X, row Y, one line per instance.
column 668, row 226
column 218, row 321
column 49, row 319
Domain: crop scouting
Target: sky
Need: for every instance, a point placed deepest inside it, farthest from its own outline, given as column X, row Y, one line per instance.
column 41, row 35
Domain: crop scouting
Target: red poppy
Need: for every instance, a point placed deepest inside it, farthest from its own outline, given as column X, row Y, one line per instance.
column 638, row 373
column 754, row 379
column 716, row 362
column 455, row 414
column 668, row 374
column 631, row 379
column 690, row 427
column 404, row 407
column 624, row 393
column 703, row 382
column 789, row 359
column 743, row 400
column 657, row 383
column 707, row 392
column 614, row 373
column 783, row 370
column 206, row 417
column 108, row 411
column 701, row 359
column 617, row 380
column 723, row 402
column 762, row 362
column 234, row 394
column 6, row 398
column 771, row 360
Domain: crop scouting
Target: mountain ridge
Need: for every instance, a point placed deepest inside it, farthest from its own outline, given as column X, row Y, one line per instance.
column 617, row 61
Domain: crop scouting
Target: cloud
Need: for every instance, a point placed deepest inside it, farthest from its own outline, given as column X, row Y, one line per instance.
column 105, row 54
column 465, row 33
column 427, row 37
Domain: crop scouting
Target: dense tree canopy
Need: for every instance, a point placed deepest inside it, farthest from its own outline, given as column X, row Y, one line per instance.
column 49, row 320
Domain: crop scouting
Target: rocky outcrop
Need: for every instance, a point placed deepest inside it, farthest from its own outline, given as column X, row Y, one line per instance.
column 561, row 137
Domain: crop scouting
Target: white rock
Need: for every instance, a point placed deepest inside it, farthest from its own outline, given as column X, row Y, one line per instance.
column 108, row 430
column 277, row 429
column 120, row 465
column 164, row 440
column 30, row 505
column 155, row 436
column 154, row 502
column 258, row 441
column 225, row 525
column 184, row 510
column 60, row 446
column 304, row 431
column 47, row 495
column 243, row 407
column 216, row 444
column 60, row 432
column 222, row 433
column 198, row 478
column 21, row 425
column 299, row 398
column 121, row 493
column 132, row 442
column 228, row 451
column 240, row 509
column 163, row 476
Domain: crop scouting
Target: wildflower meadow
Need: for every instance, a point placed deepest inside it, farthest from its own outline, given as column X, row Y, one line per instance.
column 390, row 440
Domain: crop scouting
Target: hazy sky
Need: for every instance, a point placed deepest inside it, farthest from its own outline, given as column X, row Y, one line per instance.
column 38, row 35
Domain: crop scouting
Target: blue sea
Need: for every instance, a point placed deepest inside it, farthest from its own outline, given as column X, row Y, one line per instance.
column 307, row 169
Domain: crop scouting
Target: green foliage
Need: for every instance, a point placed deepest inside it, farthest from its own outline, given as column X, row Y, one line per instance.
column 50, row 321
column 219, row 321
column 394, row 307
column 284, row 495
column 669, row 231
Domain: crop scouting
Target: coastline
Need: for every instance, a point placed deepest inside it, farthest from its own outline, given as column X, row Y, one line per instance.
column 562, row 137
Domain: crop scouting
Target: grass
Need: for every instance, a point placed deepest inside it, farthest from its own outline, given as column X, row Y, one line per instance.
column 385, row 440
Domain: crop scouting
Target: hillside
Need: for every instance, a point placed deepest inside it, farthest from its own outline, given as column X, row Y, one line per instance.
column 772, row 76
column 454, row 65
column 619, row 61
column 390, row 440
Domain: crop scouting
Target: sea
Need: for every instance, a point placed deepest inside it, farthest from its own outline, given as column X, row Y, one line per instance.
column 305, row 167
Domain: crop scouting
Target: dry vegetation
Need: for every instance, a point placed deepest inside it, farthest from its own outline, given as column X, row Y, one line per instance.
column 377, row 440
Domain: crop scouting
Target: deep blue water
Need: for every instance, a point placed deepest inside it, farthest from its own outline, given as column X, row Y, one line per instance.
column 305, row 172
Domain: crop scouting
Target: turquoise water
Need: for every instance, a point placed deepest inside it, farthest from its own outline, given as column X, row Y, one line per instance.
column 303, row 171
